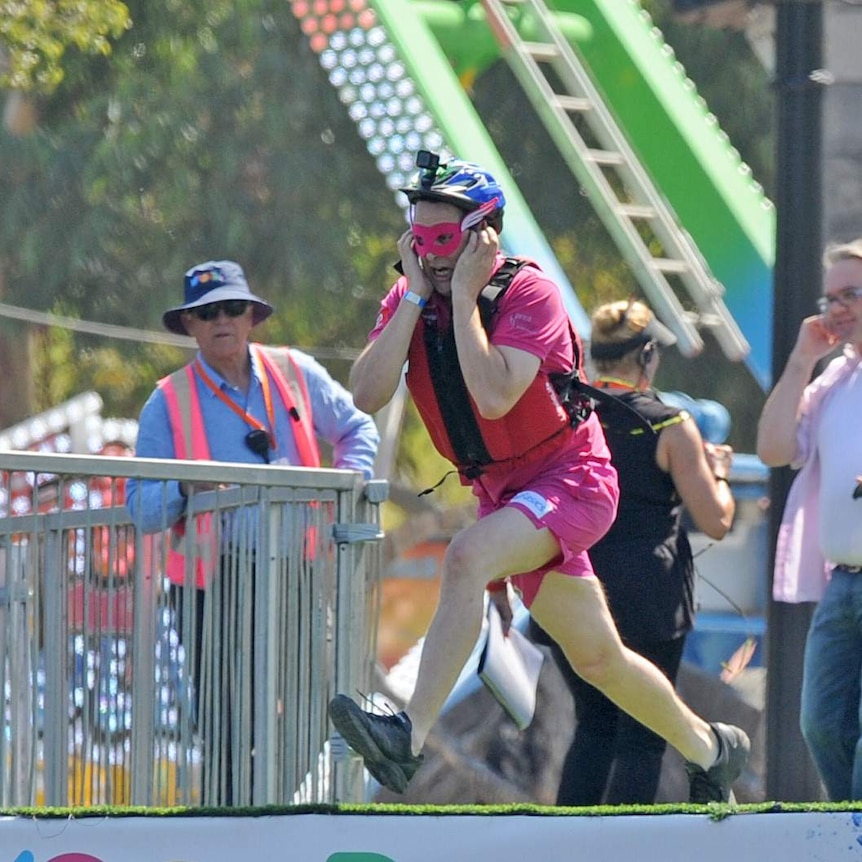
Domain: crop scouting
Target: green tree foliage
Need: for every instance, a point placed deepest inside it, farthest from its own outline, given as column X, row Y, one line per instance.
column 35, row 35
column 212, row 132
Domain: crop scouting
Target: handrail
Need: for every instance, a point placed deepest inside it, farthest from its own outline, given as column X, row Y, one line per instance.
column 106, row 703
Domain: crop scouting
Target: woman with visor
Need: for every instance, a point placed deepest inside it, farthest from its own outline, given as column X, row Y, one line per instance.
column 644, row 561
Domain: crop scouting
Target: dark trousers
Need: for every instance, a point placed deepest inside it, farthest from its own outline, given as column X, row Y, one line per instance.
column 218, row 636
column 612, row 758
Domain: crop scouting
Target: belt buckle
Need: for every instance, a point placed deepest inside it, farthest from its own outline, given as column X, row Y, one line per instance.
column 850, row 570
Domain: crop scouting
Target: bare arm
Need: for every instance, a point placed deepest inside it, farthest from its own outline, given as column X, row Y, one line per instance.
column 694, row 466
column 376, row 373
column 496, row 377
column 776, row 429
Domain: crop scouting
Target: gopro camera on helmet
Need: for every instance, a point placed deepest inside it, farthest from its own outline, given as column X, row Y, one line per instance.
column 427, row 160
column 428, row 163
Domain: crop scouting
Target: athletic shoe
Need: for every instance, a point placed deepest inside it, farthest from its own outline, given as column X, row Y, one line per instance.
column 713, row 784
column 384, row 741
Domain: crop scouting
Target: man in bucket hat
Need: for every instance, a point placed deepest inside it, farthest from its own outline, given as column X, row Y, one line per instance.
column 236, row 401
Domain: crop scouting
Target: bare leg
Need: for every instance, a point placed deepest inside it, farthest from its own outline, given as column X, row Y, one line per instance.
column 575, row 614
column 501, row 544
column 448, row 643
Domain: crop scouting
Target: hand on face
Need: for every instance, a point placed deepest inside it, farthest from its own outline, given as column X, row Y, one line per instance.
column 475, row 264
column 816, row 337
column 419, row 282
column 840, row 321
column 451, row 253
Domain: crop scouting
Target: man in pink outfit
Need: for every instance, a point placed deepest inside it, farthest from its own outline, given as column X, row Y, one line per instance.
column 494, row 368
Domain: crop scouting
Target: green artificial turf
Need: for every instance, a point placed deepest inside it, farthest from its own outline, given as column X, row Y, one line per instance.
column 715, row 810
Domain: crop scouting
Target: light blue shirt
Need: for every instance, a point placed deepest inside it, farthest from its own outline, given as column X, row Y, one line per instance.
column 351, row 433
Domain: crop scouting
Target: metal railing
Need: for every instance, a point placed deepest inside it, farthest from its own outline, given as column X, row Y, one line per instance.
column 121, row 688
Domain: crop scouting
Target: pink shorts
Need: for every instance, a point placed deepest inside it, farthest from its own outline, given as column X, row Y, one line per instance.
column 578, row 507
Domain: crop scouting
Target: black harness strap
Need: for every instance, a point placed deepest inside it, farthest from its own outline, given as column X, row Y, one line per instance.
column 578, row 398
column 496, row 287
column 453, row 400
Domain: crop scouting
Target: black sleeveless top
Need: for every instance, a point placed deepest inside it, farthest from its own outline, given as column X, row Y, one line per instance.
column 645, row 560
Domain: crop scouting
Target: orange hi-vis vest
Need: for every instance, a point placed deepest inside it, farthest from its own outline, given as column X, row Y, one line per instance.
column 191, row 443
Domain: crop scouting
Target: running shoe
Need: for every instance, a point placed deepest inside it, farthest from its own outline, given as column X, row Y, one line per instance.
column 713, row 784
column 384, row 741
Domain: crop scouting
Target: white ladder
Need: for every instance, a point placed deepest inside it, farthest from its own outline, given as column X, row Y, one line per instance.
column 623, row 194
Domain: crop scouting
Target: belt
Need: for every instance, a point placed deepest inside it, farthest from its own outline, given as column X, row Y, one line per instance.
column 850, row 570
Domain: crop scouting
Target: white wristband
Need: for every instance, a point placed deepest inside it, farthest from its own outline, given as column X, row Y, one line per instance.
column 415, row 299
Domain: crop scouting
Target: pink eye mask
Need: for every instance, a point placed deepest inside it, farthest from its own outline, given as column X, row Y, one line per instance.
column 443, row 238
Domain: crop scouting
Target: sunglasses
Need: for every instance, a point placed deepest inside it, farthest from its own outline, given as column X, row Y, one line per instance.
column 231, row 307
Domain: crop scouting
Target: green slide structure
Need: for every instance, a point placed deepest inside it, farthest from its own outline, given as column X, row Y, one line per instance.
column 690, row 159
column 677, row 139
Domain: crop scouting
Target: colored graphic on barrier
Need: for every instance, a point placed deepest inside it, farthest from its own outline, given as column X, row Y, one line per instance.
column 27, row 856
column 804, row 835
column 358, row 857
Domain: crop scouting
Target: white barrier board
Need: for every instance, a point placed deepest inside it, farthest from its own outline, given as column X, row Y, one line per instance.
column 429, row 838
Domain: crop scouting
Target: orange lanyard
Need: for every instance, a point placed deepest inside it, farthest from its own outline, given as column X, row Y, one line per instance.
column 245, row 416
column 614, row 383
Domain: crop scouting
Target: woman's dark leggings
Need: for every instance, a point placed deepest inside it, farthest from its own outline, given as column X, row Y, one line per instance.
column 612, row 758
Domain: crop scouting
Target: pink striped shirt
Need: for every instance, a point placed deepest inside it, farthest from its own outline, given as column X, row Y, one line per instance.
column 801, row 571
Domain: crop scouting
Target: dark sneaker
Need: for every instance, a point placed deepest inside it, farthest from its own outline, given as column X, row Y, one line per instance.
column 383, row 741
column 713, row 784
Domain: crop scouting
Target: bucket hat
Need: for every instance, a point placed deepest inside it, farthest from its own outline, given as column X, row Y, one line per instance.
column 214, row 281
